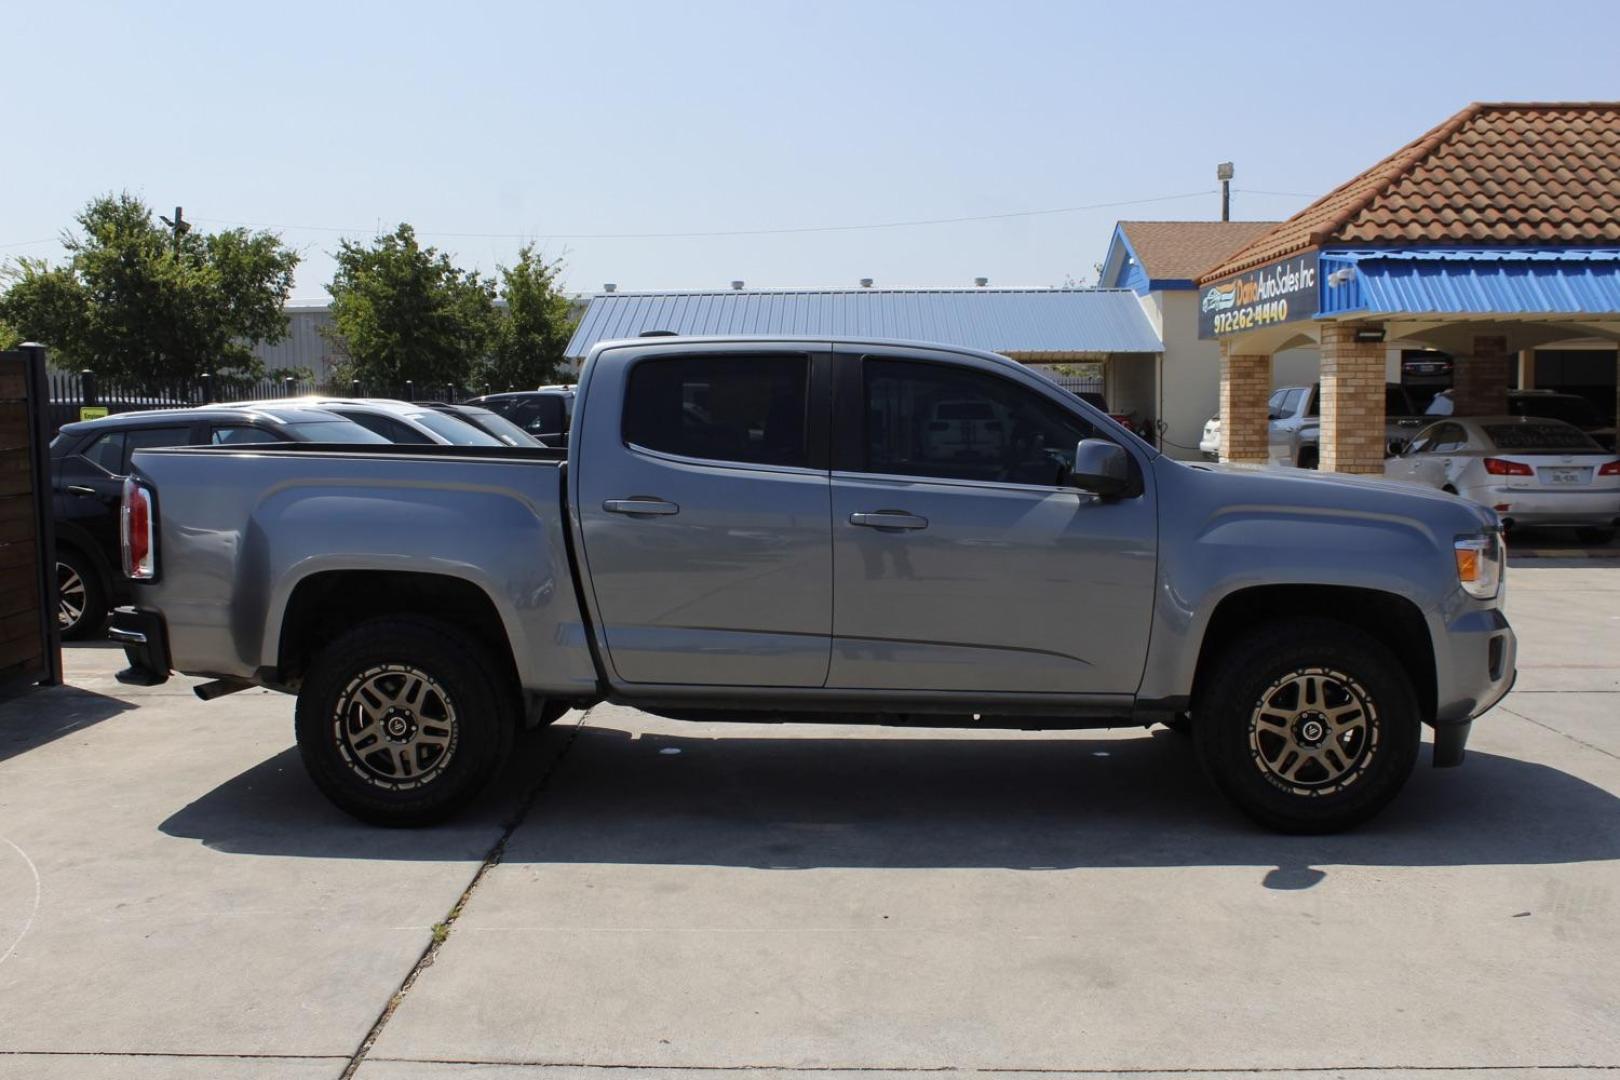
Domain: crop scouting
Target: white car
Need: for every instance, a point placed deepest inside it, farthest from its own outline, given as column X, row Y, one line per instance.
column 1530, row 471
column 1210, row 442
column 405, row 422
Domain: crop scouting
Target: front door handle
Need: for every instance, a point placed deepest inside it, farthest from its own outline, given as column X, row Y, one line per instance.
column 641, row 504
column 888, row 519
column 80, row 489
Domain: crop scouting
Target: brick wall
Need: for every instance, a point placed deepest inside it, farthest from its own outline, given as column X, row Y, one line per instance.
column 1480, row 380
column 1353, row 438
column 1245, row 386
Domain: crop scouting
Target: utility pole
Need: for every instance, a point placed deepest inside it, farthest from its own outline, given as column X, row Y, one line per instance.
column 1223, row 173
column 180, row 225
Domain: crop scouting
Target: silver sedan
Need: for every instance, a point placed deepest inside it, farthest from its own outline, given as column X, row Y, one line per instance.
column 1530, row 471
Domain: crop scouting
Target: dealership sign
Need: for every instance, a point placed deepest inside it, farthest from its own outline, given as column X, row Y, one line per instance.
column 1279, row 292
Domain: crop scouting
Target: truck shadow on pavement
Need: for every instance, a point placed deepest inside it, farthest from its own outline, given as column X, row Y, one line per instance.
column 1023, row 802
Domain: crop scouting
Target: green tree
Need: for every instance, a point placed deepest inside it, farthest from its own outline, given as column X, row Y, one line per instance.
column 402, row 312
column 532, row 329
column 135, row 302
column 8, row 336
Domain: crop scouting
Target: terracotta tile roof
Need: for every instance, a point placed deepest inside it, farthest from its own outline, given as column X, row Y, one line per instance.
column 1506, row 173
column 1181, row 250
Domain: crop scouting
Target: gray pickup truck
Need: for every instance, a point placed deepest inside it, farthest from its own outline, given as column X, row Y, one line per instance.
column 815, row 530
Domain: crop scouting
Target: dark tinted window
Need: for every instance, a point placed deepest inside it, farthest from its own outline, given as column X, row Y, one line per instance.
column 150, row 438
column 1447, row 438
column 724, row 408
column 1569, row 409
column 239, row 435
column 1539, row 437
column 107, row 451
column 953, row 423
column 540, row 414
column 333, row 431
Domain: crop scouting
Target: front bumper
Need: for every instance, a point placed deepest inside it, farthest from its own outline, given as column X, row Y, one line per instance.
column 1476, row 668
column 145, row 639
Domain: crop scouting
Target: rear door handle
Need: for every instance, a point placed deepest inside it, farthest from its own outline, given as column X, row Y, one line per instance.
column 888, row 519
column 80, row 489
column 641, row 504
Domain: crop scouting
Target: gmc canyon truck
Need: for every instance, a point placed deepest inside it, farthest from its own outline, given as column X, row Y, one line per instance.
column 815, row 530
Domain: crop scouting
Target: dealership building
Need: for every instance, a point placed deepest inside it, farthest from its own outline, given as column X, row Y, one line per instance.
column 1488, row 246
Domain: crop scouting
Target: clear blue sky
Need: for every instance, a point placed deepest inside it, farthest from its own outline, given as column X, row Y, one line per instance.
column 548, row 120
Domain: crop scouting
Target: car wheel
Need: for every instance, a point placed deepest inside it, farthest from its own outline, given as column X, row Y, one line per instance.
column 81, row 604
column 1596, row 536
column 1308, row 725
column 400, row 721
column 1309, row 458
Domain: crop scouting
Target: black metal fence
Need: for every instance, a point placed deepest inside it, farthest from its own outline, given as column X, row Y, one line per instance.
column 85, row 395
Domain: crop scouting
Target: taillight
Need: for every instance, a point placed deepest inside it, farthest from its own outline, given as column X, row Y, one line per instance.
column 137, row 527
column 1502, row 467
column 1610, row 468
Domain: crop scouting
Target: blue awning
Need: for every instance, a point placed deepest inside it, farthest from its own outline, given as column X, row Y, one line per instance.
column 1471, row 281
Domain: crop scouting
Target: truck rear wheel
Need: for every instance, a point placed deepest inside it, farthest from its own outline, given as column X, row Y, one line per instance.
column 400, row 722
column 1307, row 725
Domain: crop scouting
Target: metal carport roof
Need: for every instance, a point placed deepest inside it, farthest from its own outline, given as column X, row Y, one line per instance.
column 1030, row 324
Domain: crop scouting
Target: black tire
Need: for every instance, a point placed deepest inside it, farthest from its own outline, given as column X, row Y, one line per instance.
column 1310, row 458
column 1270, row 671
column 1595, row 536
column 73, row 567
column 454, row 733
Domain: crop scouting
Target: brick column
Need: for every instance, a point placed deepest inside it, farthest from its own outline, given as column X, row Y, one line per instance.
column 1479, row 381
column 1353, row 439
column 1245, row 386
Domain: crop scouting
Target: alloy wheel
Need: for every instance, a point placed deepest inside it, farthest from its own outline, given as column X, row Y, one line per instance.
column 395, row 726
column 71, row 597
column 1314, row 731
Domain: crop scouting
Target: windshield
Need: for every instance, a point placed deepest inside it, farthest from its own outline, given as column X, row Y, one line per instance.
column 456, row 432
column 332, row 431
column 1539, row 437
column 500, row 427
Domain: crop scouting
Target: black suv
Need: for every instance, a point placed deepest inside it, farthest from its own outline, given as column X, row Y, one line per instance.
column 546, row 413
column 90, row 459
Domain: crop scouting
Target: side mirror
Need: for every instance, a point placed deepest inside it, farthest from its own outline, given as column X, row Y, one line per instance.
column 1397, row 447
column 1100, row 467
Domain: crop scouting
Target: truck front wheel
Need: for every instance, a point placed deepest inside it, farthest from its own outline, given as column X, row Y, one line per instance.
column 1307, row 725
column 399, row 721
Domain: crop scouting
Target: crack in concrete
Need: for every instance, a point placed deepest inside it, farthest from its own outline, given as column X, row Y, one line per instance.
column 441, row 931
column 1555, row 731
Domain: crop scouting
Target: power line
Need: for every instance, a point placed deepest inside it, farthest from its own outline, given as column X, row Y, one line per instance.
column 732, row 232
column 1290, row 194
column 29, row 243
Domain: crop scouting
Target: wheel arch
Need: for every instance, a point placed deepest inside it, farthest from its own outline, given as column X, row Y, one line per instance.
column 1392, row 619
column 323, row 605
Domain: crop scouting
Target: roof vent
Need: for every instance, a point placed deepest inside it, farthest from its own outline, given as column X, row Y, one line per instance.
column 609, row 287
column 981, row 282
column 737, row 284
column 866, row 283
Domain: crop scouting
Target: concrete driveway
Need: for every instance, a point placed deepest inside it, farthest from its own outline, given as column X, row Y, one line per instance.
column 645, row 898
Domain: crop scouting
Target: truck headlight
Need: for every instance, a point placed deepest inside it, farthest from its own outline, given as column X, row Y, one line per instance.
column 1479, row 564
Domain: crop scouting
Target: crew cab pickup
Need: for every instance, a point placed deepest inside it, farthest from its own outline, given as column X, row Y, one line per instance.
column 1295, row 422
column 815, row 530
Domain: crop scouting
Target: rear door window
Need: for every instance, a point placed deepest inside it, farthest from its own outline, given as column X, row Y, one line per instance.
column 748, row 409
column 151, row 439
column 107, row 453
